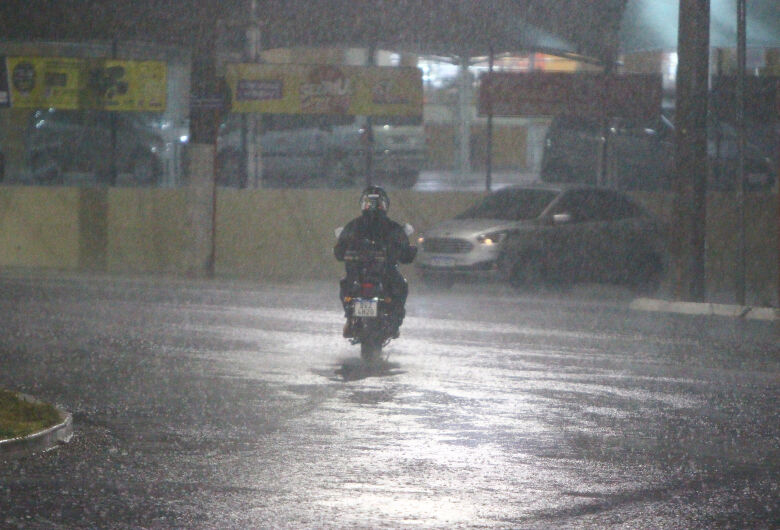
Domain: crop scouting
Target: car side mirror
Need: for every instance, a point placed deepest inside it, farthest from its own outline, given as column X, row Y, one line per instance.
column 561, row 218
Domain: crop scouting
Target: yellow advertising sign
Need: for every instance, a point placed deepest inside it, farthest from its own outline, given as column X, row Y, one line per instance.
column 325, row 89
column 73, row 83
column 37, row 82
column 130, row 85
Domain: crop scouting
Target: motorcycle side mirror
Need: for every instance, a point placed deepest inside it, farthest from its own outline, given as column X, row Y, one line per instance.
column 408, row 229
column 338, row 231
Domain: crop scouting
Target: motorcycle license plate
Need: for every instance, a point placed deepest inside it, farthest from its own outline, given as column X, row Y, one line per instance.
column 366, row 308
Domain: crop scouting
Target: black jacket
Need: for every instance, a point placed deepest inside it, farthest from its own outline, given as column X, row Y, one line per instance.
column 380, row 229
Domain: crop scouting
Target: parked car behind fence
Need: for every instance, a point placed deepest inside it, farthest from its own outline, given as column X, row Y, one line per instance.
column 65, row 146
column 542, row 233
column 301, row 150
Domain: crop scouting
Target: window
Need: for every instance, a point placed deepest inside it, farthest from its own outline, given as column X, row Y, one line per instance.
column 612, row 206
column 511, row 205
column 582, row 205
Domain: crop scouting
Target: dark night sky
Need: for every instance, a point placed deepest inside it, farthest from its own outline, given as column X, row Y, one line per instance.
column 445, row 27
column 163, row 21
column 428, row 26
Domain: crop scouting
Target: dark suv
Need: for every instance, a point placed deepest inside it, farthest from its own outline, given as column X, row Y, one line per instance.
column 641, row 156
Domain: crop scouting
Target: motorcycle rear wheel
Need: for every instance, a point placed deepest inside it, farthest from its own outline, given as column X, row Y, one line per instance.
column 370, row 349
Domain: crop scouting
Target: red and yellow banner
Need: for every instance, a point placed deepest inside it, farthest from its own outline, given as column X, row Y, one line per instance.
column 325, row 89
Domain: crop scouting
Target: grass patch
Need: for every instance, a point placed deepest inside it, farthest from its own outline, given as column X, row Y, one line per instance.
column 20, row 418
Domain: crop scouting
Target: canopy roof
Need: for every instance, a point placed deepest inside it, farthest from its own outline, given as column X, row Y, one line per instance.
column 453, row 27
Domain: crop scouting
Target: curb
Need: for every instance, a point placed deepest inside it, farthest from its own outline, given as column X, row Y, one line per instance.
column 42, row 441
column 709, row 309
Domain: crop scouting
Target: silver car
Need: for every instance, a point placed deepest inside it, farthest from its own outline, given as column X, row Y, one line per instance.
column 468, row 246
column 546, row 232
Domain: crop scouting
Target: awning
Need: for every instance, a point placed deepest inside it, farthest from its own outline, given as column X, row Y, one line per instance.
column 649, row 25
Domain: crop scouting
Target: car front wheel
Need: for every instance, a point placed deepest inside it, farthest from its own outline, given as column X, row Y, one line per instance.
column 526, row 273
column 648, row 274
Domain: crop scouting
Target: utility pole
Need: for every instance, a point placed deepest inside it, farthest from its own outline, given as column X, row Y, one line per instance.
column 690, row 184
column 207, row 104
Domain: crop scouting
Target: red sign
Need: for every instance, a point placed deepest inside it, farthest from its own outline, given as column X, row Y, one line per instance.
column 633, row 96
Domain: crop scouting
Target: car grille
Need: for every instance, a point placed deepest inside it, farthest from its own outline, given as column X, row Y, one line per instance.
column 447, row 245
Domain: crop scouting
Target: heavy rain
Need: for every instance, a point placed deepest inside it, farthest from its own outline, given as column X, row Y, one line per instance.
column 581, row 199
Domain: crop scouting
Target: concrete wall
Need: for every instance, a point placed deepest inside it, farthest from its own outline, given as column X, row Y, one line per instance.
column 149, row 230
column 761, row 245
column 288, row 234
column 762, row 257
column 40, row 227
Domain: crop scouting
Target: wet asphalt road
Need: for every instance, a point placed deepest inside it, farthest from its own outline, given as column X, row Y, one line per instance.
column 238, row 405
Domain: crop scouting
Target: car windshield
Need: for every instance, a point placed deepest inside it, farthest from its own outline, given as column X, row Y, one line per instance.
column 511, row 205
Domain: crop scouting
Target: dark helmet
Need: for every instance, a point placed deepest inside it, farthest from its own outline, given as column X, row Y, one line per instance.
column 374, row 199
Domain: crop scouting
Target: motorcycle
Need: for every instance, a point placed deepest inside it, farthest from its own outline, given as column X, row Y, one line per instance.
column 367, row 303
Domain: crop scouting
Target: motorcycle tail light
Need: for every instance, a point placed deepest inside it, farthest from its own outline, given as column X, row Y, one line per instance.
column 367, row 289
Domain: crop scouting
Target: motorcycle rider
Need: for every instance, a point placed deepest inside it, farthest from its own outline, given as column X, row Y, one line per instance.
column 374, row 225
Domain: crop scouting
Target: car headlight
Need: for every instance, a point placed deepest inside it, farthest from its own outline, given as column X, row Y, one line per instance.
column 420, row 239
column 493, row 238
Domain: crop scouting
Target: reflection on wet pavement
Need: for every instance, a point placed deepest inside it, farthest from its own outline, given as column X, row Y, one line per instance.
column 356, row 369
column 237, row 408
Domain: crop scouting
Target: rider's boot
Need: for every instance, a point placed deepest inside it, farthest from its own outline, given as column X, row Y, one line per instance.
column 398, row 315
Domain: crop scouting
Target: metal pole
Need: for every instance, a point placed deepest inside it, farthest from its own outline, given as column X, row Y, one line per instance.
column 369, row 134
column 489, row 175
column 254, row 160
column 464, row 118
column 741, row 6
column 113, row 170
column 777, row 140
